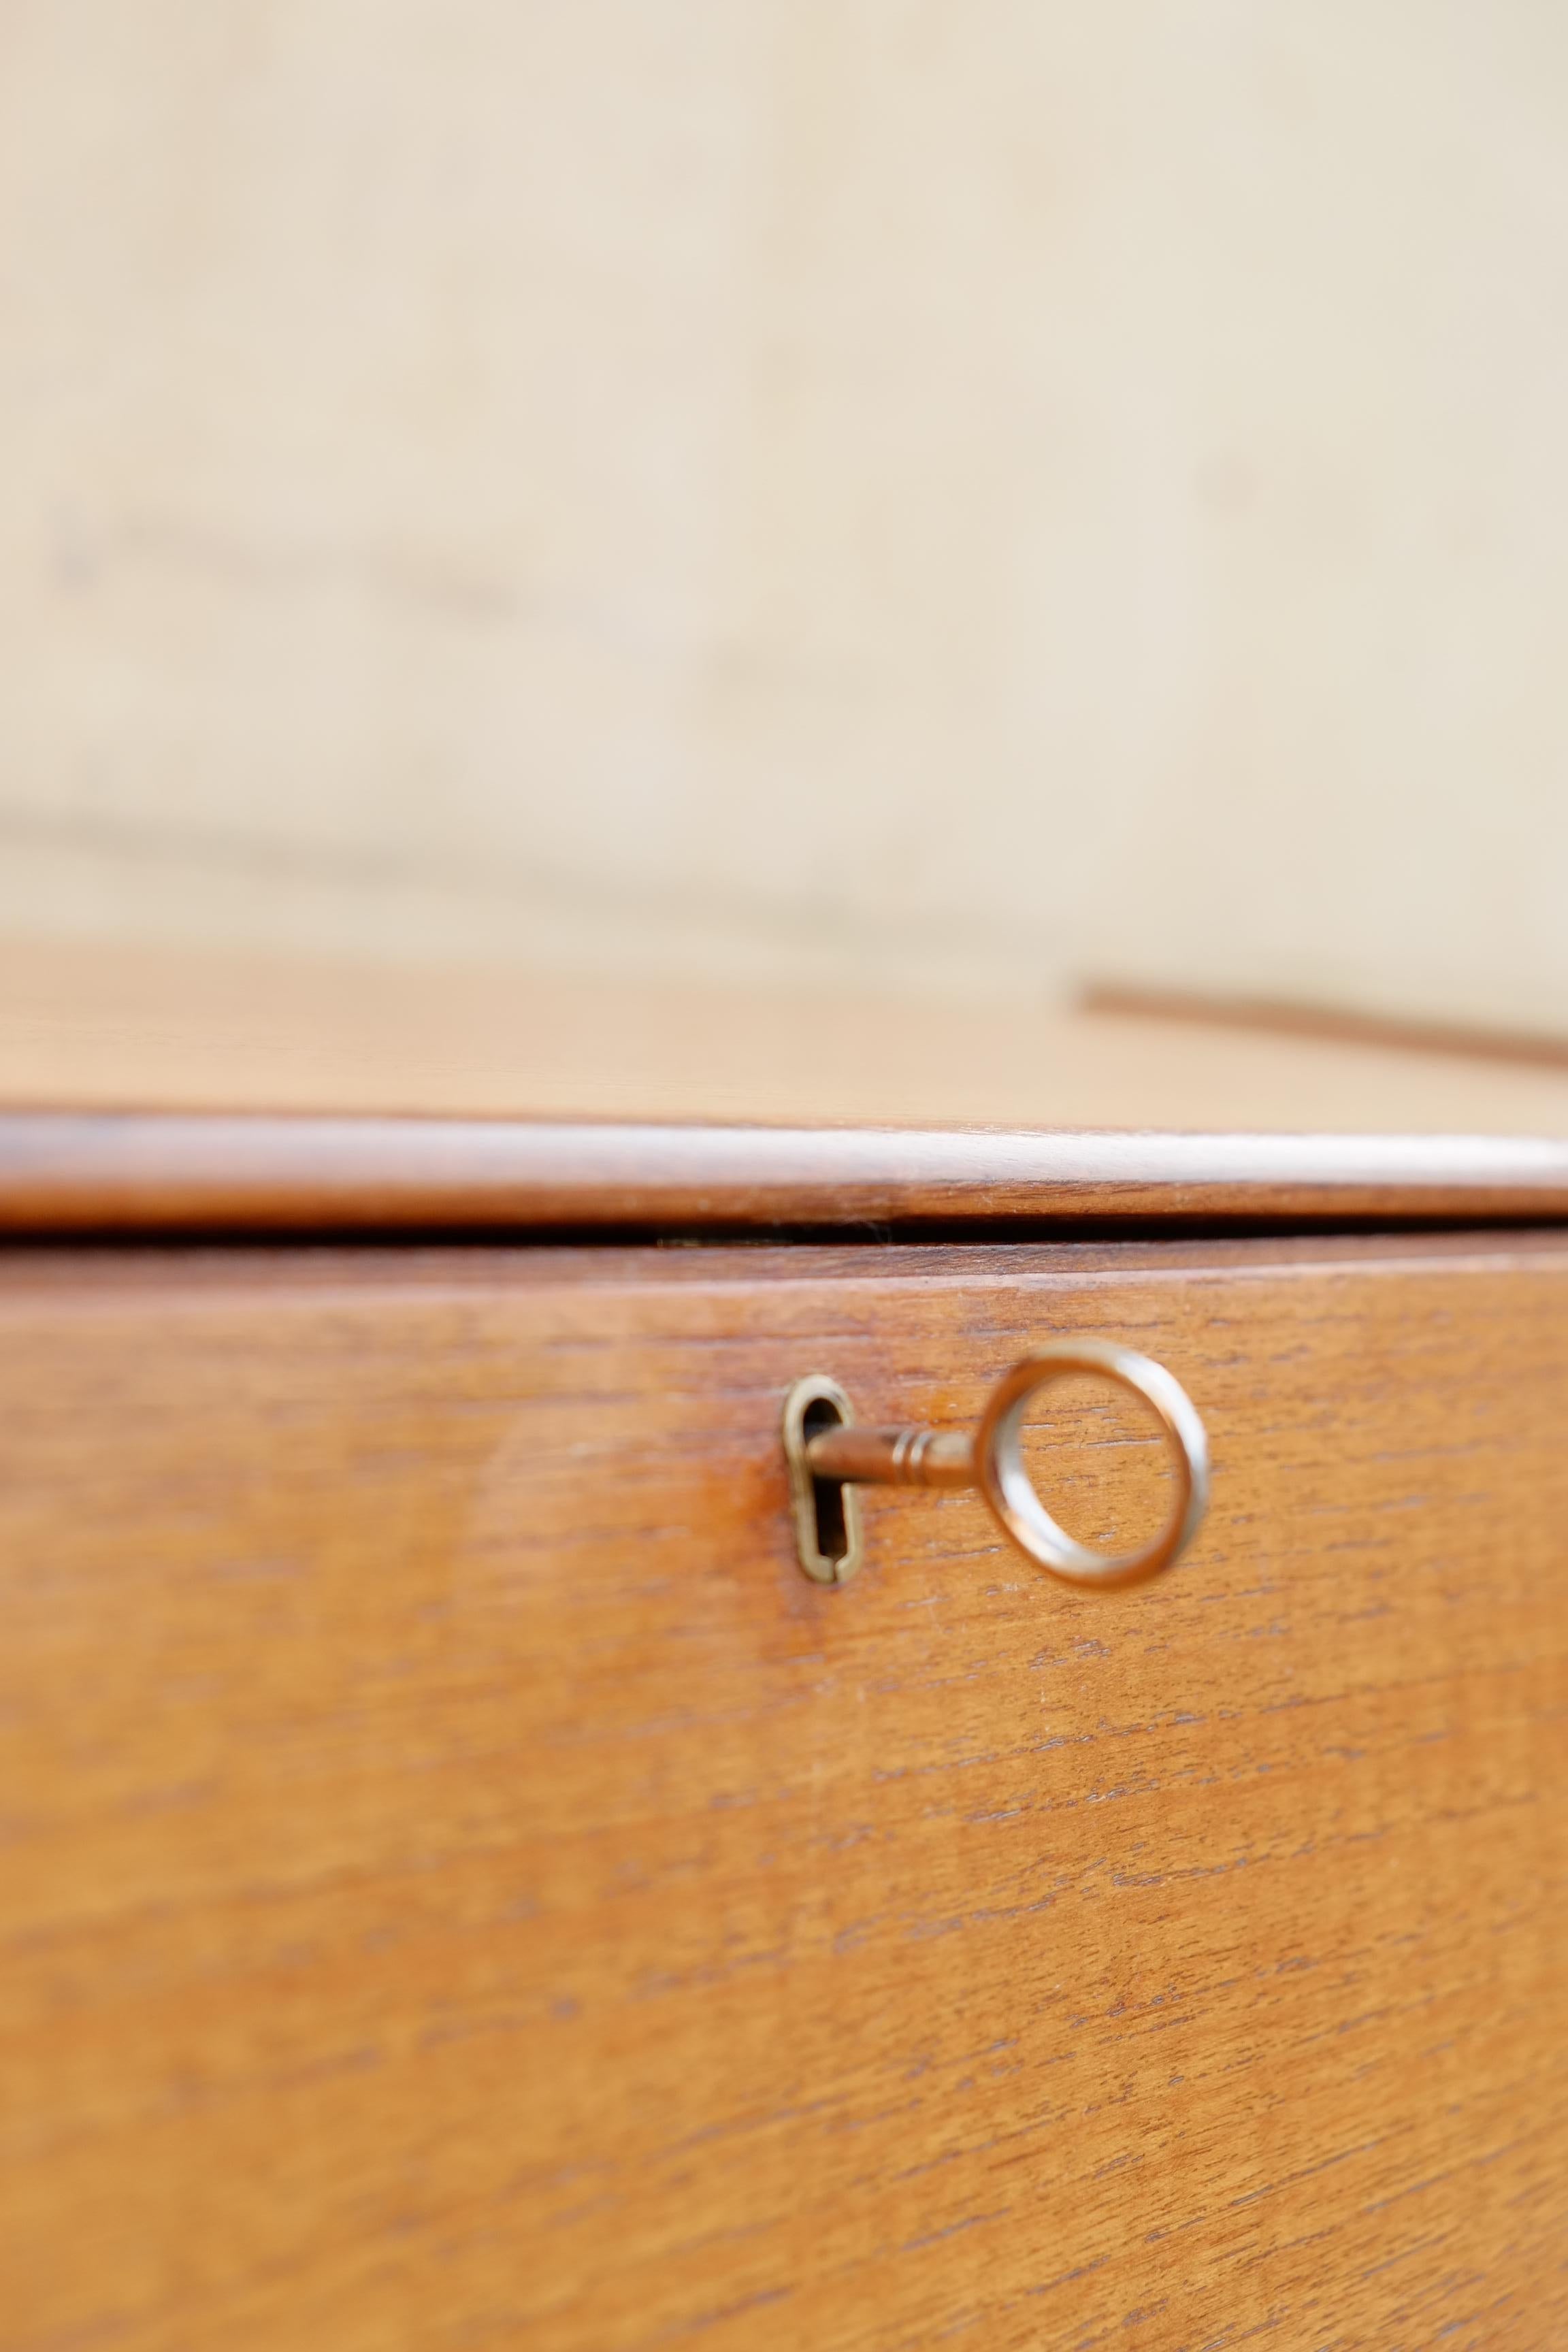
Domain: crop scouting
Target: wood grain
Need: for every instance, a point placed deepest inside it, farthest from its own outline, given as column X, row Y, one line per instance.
column 463, row 1887
column 105, row 1173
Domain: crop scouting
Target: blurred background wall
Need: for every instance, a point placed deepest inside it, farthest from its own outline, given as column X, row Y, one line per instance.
column 1004, row 494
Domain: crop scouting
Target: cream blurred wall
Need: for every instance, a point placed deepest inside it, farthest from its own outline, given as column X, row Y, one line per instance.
column 967, row 494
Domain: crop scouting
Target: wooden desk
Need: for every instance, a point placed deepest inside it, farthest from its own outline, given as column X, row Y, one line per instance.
column 464, row 1885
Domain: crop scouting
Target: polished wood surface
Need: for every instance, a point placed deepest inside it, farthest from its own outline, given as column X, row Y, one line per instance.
column 114, row 1173
column 464, row 1887
column 129, row 1028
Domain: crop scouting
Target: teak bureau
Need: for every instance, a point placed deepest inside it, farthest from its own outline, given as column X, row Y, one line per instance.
column 465, row 1887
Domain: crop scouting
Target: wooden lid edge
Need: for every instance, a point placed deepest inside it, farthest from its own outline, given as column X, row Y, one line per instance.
column 144, row 1173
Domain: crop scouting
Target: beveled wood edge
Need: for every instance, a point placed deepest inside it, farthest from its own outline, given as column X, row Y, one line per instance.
column 125, row 1172
column 1326, row 1024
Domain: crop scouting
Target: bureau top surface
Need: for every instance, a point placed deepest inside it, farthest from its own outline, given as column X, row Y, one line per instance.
column 148, row 1091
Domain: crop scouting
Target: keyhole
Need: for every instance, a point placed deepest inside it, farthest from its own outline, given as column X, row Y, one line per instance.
column 827, row 1493
column 827, row 1515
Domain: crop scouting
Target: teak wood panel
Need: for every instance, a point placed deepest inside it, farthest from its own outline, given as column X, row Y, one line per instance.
column 463, row 1887
column 94, row 1024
